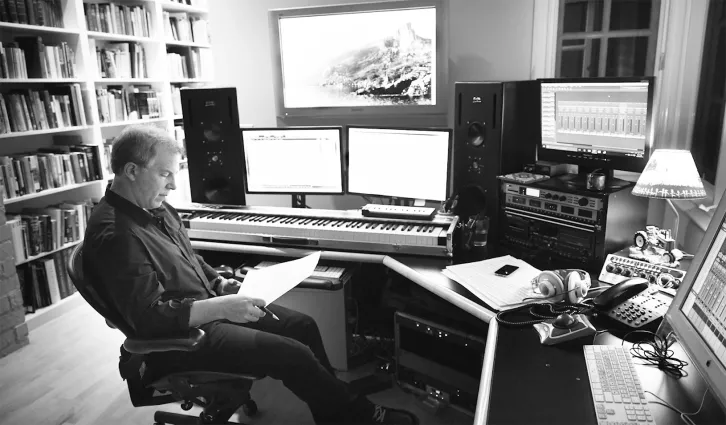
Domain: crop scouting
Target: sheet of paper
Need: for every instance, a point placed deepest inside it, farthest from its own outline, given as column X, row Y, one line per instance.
column 272, row 282
column 497, row 291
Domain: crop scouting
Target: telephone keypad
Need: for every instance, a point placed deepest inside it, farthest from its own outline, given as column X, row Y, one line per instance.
column 641, row 310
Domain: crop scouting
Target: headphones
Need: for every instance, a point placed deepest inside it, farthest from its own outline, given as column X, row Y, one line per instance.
column 570, row 285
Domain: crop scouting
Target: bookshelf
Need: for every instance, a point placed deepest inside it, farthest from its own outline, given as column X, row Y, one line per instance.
column 47, row 253
column 48, row 192
column 157, row 28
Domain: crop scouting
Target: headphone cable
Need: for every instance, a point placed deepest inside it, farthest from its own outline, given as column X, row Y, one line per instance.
column 542, row 312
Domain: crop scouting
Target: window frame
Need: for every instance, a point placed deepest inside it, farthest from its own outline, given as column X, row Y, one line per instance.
column 677, row 68
column 604, row 35
column 715, row 190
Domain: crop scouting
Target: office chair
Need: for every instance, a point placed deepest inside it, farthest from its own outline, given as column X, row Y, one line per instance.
column 219, row 394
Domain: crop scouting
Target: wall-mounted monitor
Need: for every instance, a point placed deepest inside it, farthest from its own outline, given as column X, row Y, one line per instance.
column 368, row 59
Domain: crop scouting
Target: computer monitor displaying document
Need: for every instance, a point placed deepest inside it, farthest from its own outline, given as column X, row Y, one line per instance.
column 399, row 162
column 304, row 160
column 698, row 312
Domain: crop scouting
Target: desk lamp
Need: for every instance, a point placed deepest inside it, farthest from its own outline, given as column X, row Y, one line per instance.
column 670, row 174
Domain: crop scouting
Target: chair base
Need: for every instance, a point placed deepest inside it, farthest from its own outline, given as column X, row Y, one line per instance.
column 249, row 407
column 164, row 418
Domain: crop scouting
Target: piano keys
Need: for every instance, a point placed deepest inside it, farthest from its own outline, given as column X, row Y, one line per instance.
column 320, row 229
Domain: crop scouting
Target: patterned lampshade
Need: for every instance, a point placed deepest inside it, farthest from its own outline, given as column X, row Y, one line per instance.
column 670, row 174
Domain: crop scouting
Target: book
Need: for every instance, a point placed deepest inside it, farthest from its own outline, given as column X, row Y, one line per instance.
column 52, row 280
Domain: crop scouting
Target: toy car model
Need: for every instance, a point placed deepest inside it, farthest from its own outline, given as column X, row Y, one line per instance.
column 654, row 237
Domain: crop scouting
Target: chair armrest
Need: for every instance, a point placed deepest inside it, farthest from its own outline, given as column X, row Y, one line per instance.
column 145, row 346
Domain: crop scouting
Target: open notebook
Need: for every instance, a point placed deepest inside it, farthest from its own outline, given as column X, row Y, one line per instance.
column 498, row 292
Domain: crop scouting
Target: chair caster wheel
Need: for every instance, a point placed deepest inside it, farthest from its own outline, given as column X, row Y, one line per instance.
column 250, row 408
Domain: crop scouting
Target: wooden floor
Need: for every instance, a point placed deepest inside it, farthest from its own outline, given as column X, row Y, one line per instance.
column 68, row 375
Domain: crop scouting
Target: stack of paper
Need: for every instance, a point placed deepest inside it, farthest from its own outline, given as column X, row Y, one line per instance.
column 272, row 282
column 498, row 292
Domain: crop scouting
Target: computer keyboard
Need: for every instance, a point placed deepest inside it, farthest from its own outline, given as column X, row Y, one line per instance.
column 323, row 272
column 398, row 211
column 616, row 389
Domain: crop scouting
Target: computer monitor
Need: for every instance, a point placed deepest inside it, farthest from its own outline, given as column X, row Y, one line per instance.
column 399, row 162
column 697, row 314
column 597, row 123
column 293, row 160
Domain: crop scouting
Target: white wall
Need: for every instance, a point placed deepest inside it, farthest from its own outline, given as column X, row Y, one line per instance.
column 489, row 40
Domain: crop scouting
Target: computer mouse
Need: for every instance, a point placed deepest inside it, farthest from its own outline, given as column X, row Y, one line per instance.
column 564, row 321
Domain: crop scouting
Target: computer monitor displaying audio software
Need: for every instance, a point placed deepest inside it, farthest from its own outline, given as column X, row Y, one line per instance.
column 698, row 312
column 399, row 162
column 304, row 160
column 597, row 122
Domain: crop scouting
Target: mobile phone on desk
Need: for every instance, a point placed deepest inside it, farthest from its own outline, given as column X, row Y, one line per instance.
column 506, row 270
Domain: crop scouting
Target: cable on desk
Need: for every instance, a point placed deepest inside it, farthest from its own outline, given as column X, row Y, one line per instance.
column 684, row 416
column 541, row 312
column 656, row 352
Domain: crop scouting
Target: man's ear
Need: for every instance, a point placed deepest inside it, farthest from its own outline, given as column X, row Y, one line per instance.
column 131, row 170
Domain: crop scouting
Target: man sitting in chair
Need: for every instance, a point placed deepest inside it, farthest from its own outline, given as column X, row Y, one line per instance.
column 138, row 251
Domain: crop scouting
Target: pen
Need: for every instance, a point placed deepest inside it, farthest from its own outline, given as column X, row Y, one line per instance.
column 274, row 316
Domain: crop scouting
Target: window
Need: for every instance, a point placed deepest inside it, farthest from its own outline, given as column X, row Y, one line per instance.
column 607, row 38
column 710, row 109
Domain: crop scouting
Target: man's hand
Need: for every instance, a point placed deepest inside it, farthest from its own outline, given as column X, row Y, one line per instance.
column 241, row 309
column 228, row 286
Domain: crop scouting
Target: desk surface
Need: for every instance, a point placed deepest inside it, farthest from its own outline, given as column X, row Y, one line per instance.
column 524, row 382
column 533, row 383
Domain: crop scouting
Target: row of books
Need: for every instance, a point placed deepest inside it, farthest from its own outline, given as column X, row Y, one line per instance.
column 118, row 19
column 194, row 63
column 35, row 231
column 185, row 27
column 179, row 136
column 176, row 100
column 196, row 3
column 12, row 61
column 183, row 65
column 56, row 107
column 29, row 57
column 121, row 60
column 118, row 103
column 107, row 147
column 49, row 168
column 45, row 281
column 33, row 12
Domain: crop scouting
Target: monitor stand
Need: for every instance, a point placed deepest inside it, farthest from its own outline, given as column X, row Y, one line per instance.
column 612, row 184
column 298, row 201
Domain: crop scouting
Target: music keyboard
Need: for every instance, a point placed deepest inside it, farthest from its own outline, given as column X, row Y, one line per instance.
column 320, row 229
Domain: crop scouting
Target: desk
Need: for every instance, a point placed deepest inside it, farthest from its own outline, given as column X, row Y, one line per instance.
column 522, row 381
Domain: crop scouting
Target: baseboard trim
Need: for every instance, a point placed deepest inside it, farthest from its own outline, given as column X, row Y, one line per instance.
column 52, row 312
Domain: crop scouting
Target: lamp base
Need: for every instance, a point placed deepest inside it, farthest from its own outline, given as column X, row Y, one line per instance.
column 611, row 184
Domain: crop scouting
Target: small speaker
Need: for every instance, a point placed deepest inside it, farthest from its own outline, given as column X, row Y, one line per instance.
column 214, row 147
column 496, row 129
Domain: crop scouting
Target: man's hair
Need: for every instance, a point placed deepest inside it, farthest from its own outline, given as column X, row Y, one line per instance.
column 139, row 144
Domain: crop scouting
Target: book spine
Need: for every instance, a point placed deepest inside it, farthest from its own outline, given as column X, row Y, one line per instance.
column 22, row 13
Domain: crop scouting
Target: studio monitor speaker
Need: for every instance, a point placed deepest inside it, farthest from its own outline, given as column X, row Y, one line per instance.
column 214, row 147
column 495, row 132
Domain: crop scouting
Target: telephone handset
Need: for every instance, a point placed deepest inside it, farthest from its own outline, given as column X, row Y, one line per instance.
column 632, row 303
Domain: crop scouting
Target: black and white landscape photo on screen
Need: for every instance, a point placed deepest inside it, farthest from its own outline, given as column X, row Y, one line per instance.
column 378, row 58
